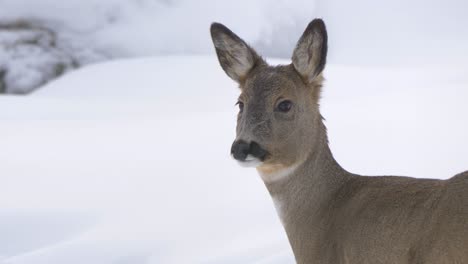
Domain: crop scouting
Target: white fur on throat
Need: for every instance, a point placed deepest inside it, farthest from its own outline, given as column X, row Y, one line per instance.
column 277, row 174
column 274, row 176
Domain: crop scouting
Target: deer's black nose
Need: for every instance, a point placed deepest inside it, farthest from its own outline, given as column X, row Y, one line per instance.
column 241, row 149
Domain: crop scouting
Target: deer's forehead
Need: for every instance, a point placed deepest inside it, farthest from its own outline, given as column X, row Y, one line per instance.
column 270, row 83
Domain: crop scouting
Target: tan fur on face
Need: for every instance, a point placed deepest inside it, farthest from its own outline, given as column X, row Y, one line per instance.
column 263, row 89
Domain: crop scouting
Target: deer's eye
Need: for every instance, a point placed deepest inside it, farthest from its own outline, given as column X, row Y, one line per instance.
column 241, row 106
column 284, row 106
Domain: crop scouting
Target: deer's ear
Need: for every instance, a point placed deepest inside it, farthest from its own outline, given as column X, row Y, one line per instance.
column 309, row 56
column 234, row 55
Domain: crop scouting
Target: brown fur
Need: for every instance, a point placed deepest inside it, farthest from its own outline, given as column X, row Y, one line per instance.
column 329, row 214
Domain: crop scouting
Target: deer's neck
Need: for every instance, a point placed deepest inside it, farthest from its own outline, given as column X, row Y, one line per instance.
column 318, row 176
column 302, row 196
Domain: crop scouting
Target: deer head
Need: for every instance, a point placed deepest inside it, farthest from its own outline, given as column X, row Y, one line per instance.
column 279, row 124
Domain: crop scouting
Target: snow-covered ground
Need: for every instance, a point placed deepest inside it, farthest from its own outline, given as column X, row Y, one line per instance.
column 128, row 162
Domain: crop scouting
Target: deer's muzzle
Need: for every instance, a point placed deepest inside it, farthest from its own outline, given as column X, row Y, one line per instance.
column 241, row 149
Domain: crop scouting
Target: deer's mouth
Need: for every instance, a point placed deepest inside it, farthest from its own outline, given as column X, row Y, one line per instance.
column 250, row 161
column 248, row 154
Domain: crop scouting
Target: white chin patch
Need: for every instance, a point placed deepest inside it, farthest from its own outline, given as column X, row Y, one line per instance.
column 250, row 162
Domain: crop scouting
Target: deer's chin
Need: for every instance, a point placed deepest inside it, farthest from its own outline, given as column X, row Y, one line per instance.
column 250, row 162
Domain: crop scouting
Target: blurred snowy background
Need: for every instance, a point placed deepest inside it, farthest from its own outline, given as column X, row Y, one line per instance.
column 125, row 158
column 40, row 40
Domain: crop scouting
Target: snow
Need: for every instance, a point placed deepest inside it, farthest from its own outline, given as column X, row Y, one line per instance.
column 128, row 161
column 176, row 196
column 430, row 30
column 149, row 27
column 363, row 32
column 91, row 31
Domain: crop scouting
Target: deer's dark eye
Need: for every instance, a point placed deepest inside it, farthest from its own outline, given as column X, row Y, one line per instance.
column 284, row 106
column 241, row 106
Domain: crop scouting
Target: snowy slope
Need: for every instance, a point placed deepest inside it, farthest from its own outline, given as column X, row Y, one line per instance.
column 128, row 161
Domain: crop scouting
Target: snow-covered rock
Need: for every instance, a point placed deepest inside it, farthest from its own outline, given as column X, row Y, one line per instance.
column 29, row 57
column 32, row 54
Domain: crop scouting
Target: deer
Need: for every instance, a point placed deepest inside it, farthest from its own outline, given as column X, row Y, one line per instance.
column 331, row 215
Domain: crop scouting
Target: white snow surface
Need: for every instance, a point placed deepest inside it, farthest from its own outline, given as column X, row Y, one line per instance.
column 127, row 162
